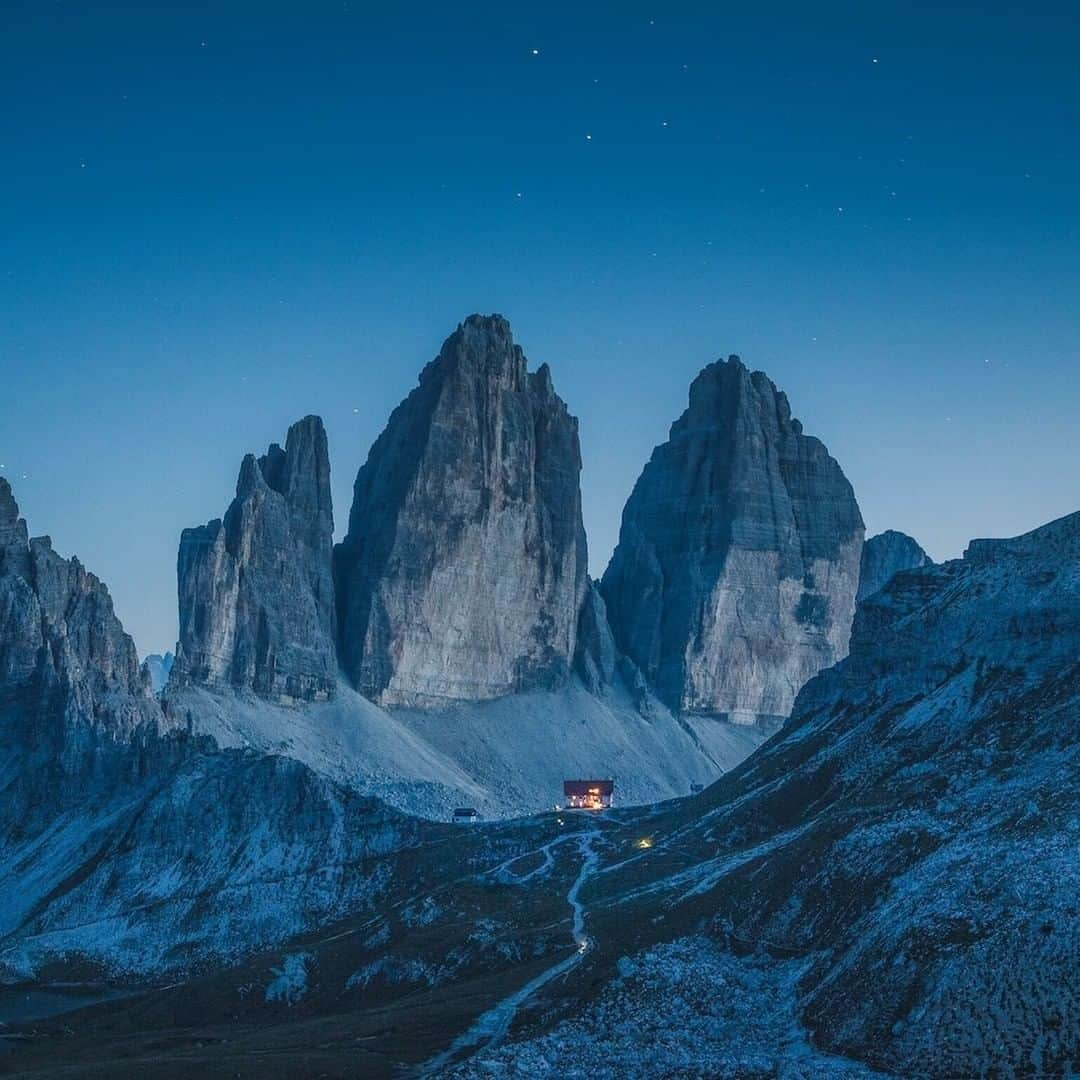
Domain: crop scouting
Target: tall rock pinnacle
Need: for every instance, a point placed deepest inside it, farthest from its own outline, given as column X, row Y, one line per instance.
column 734, row 578
column 256, row 589
column 464, row 567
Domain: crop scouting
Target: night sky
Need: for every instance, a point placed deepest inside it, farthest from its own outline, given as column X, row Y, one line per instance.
column 220, row 217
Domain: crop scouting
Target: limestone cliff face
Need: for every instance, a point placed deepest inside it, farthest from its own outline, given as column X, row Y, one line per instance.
column 464, row 568
column 735, row 574
column 69, row 675
column 256, row 588
column 884, row 555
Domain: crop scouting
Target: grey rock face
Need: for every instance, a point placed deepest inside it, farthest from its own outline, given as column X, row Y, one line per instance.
column 256, row 589
column 735, row 574
column 67, row 669
column 927, row 789
column 884, row 555
column 464, row 567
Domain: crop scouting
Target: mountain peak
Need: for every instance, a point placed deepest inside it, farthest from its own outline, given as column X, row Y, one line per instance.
column 9, row 508
column 734, row 578
column 481, row 344
column 464, row 566
column 13, row 535
column 885, row 555
column 256, row 587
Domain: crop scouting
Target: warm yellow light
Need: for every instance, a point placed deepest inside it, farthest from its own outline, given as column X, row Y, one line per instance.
column 644, row 842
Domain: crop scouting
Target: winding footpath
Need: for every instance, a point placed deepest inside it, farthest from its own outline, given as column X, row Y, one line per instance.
column 491, row 1027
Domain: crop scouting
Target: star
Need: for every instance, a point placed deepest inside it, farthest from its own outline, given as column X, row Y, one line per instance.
column 536, row 52
column 588, row 138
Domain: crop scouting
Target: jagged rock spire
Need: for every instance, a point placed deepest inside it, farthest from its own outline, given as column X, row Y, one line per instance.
column 464, row 567
column 256, row 588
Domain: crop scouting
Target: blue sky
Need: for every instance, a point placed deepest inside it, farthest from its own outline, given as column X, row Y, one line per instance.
column 221, row 217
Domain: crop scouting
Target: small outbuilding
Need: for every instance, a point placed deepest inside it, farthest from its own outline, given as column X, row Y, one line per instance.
column 466, row 815
column 588, row 794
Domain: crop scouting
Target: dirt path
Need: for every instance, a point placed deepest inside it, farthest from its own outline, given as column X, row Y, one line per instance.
column 491, row 1027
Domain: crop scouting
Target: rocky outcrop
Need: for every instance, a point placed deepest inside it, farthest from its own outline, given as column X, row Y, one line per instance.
column 205, row 858
column 69, row 676
column 734, row 578
column 464, row 567
column 256, row 588
column 915, row 825
column 884, row 555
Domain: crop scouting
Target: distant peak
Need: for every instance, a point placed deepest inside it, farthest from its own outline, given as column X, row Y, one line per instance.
column 251, row 475
column 9, row 508
column 885, row 555
column 481, row 344
column 493, row 323
column 730, row 383
column 308, row 428
column 542, row 381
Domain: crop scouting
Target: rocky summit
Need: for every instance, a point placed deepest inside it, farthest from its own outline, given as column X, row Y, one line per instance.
column 69, row 675
column 734, row 578
column 464, row 568
column 884, row 555
column 256, row 588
